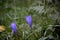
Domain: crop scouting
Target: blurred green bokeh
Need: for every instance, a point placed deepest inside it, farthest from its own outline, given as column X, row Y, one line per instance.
column 44, row 13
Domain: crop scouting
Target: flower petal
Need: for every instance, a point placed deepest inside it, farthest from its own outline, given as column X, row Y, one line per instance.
column 29, row 20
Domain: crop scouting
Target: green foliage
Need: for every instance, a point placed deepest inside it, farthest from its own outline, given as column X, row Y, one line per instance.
column 17, row 10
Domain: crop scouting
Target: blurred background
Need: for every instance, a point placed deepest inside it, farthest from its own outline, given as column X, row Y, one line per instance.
column 45, row 19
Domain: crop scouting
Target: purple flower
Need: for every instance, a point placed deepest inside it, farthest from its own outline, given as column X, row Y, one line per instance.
column 14, row 27
column 29, row 20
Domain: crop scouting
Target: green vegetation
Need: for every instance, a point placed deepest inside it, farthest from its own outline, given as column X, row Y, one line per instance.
column 44, row 13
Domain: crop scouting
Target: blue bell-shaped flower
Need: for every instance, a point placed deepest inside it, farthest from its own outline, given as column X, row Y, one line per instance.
column 29, row 20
